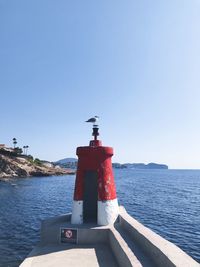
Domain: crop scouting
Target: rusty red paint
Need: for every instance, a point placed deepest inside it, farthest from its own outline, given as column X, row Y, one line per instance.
column 95, row 158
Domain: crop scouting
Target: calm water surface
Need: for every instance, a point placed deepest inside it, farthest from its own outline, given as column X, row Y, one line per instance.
column 167, row 201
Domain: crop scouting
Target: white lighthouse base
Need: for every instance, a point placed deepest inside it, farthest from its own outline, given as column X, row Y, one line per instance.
column 108, row 212
column 77, row 212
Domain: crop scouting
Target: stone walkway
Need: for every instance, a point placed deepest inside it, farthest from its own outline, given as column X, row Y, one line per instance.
column 71, row 255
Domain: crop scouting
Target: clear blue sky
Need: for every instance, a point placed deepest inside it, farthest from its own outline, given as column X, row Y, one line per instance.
column 136, row 64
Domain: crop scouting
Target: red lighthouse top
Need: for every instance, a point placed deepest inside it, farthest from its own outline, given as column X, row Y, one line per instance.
column 96, row 158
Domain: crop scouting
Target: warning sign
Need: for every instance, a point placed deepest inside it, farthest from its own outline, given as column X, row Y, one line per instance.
column 68, row 235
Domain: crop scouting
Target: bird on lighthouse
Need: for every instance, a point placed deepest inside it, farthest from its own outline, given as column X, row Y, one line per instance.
column 93, row 120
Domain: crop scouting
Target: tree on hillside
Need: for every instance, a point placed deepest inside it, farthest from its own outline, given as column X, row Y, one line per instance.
column 18, row 150
column 37, row 161
column 14, row 142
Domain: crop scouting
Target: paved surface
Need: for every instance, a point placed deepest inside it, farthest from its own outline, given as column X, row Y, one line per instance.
column 70, row 255
column 127, row 243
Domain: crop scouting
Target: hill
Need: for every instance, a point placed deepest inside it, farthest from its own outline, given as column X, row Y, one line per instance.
column 72, row 163
column 140, row 166
column 21, row 166
column 67, row 163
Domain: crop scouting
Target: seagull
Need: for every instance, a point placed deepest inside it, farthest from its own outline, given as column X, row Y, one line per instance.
column 93, row 120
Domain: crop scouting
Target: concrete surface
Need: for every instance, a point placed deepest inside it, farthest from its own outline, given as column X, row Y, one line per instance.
column 127, row 252
column 127, row 243
column 162, row 252
column 72, row 255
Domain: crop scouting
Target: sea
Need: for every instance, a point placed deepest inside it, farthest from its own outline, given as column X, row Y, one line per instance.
column 167, row 201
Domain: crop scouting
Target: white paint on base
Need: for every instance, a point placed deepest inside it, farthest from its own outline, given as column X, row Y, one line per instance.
column 77, row 212
column 108, row 212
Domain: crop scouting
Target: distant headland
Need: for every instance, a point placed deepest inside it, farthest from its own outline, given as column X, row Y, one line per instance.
column 72, row 163
column 140, row 166
column 14, row 162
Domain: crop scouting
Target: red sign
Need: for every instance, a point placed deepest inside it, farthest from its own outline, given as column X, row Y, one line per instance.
column 68, row 235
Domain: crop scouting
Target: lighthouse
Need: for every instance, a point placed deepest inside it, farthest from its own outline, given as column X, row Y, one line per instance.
column 78, row 238
column 95, row 199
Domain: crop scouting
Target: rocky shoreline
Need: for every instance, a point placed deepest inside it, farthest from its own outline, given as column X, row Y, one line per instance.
column 16, row 167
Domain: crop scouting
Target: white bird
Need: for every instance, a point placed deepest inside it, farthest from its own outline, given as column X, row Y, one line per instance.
column 93, row 120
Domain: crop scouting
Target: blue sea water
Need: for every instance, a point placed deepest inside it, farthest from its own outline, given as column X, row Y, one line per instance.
column 167, row 201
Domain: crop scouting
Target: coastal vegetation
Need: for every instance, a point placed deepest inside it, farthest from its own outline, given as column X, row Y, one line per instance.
column 15, row 163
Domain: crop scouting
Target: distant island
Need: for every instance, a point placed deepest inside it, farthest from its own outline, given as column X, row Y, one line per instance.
column 72, row 164
column 14, row 163
column 140, row 166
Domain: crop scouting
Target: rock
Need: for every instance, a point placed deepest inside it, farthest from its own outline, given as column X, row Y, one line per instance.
column 11, row 166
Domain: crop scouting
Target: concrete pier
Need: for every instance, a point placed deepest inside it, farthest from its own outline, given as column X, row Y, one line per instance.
column 125, row 243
